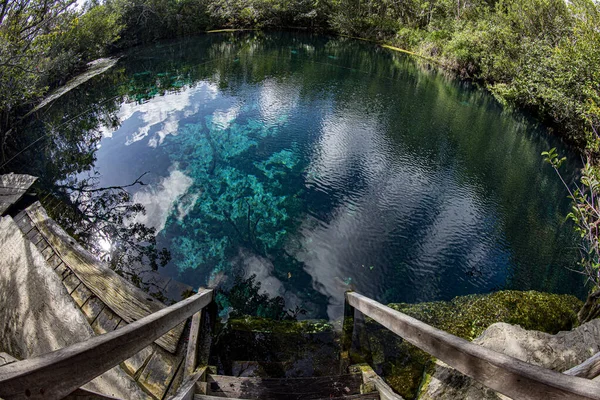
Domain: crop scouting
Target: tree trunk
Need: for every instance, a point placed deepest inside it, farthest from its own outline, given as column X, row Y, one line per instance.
column 591, row 308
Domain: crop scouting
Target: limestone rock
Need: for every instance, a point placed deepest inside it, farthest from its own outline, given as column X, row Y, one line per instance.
column 12, row 188
column 558, row 352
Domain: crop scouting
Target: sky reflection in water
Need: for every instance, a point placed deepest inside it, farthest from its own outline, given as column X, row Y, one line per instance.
column 321, row 165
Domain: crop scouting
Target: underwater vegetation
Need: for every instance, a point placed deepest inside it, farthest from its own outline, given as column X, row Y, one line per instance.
column 245, row 298
column 233, row 202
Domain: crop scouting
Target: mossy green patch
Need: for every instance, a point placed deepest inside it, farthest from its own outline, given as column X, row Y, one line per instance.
column 266, row 325
column 469, row 316
column 404, row 366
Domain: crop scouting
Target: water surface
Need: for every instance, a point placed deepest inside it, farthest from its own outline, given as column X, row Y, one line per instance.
column 323, row 164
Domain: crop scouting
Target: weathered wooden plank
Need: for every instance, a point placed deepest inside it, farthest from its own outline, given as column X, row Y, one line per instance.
column 62, row 270
column 106, row 321
column 23, row 222
column 12, row 188
column 370, row 396
column 25, row 228
column 191, row 357
column 128, row 301
column 84, row 394
column 71, row 282
column 346, row 337
column 54, row 375
column 47, row 253
column 81, row 294
column 7, row 191
column 18, row 218
column 188, row 386
column 41, row 244
column 588, row 369
column 92, row 308
column 133, row 364
column 34, row 236
column 159, row 372
column 373, row 383
column 54, row 261
column 205, row 340
column 502, row 373
column 176, row 383
column 284, row 388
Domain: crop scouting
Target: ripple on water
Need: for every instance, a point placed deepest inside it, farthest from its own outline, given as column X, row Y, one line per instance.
column 352, row 178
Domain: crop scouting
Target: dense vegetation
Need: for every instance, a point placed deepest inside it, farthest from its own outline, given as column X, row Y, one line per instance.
column 537, row 54
column 540, row 55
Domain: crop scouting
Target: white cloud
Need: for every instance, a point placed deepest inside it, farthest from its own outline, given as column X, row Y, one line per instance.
column 394, row 186
column 224, row 119
column 276, row 99
column 263, row 268
column 160, row 199
column 162, row 113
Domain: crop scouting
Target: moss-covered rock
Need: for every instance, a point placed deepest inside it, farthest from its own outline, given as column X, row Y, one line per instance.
column 469, row 316
column 404, row 366
column 558, row 352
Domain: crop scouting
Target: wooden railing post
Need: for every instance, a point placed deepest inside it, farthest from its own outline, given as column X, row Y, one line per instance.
column 198, row 350
column 347, row 335
column 361, row 344
column 209, row 318
column 191, row 357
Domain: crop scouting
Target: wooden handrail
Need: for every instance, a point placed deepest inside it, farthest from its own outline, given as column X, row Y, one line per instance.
column 588, row 369
column 55, row 375
column 502, row 373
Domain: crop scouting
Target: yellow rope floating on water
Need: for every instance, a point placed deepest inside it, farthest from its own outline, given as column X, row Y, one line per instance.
column 383, row 45
column 231, row 30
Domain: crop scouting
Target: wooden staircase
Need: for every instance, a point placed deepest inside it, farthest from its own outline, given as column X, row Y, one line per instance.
column 346, row 386
column 260, row 348
column 289, row 360
column 107, row 301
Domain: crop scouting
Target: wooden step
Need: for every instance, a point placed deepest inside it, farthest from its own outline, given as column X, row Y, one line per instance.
column 369, row 396
column 265, row 369
column 43, row 318
column 284, row 388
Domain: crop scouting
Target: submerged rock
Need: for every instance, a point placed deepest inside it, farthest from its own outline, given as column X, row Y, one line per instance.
column 404, row 366
column 263, row 347
column 557, row 352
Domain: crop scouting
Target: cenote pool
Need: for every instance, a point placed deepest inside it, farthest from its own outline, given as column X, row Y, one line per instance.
column 322, row 164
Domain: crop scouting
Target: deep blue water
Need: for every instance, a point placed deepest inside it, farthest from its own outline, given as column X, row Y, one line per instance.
column 322, row 164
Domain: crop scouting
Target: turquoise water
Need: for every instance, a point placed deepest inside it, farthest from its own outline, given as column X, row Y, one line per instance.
column 323, row 164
